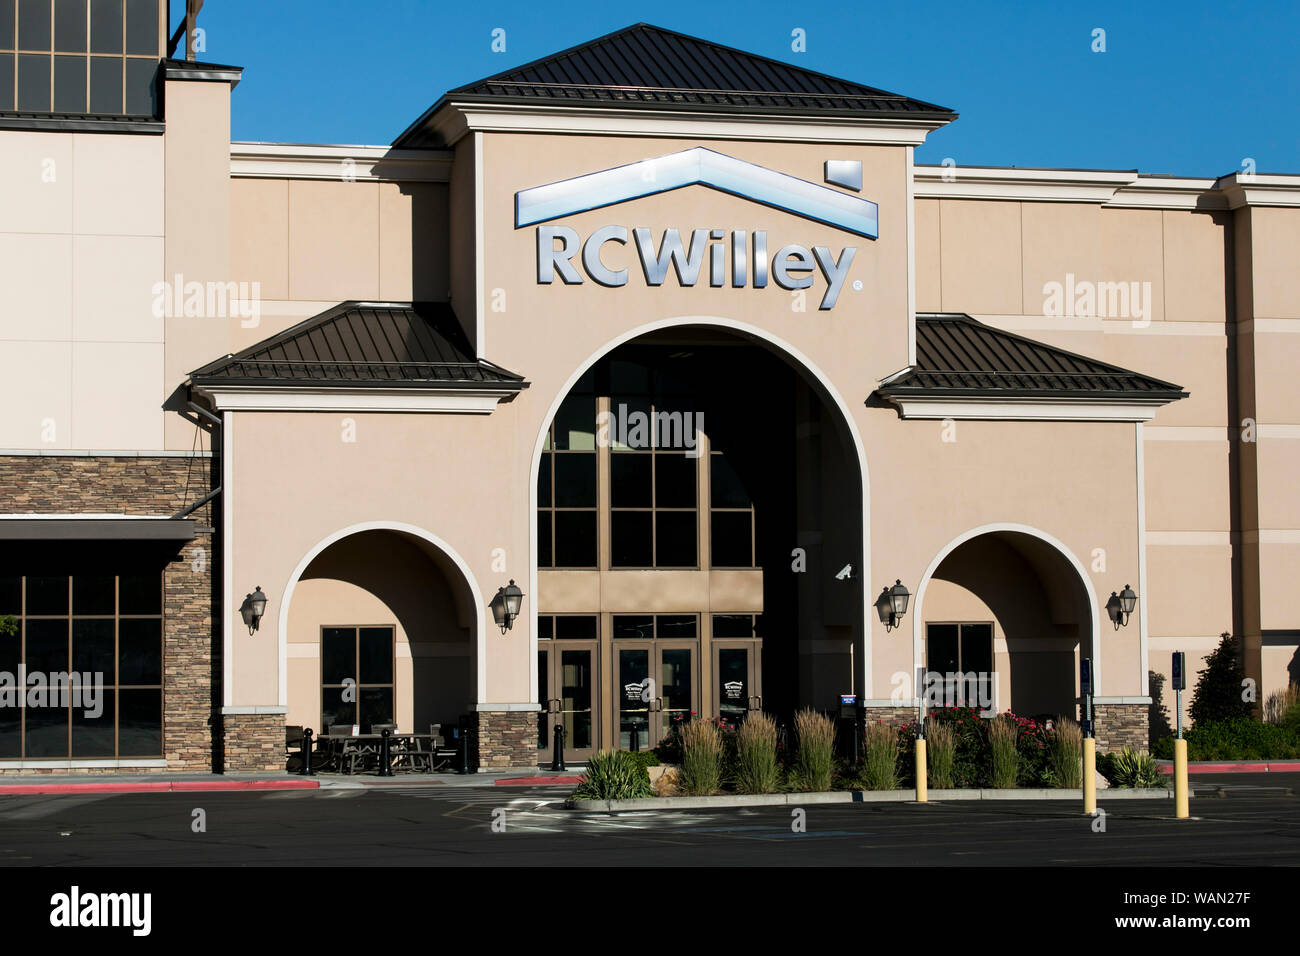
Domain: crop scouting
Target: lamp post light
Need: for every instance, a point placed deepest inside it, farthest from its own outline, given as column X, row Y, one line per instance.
column 253, row 608
column 1120, row 606
column 505, row 606
column 892, row 604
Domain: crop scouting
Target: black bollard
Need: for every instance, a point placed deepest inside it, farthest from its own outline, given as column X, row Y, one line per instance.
column 634, row 744
column 306, row 753
column 464, row 749
column 557, row 752
column 385, row 762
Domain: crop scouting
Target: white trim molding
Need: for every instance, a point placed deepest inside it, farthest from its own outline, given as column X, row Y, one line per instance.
column 1260, row 189
column 340, row 163
column 1025, row 410
column 1035, row 185
column 466, row 401
column 510, row 708
column 252, row 709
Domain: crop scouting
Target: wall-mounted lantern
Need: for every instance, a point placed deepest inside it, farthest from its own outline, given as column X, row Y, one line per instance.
column 1121, row 605
column 892, row 604
column 505, row 606
column 253, row 608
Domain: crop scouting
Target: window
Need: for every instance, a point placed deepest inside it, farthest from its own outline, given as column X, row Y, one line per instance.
column 356, row 668
column 956, row 651
column 80, row 56
column 566, row 484
column 567, row 627
column 736, row 625
column 656, row 626
column 731, row 513
column 90, row 646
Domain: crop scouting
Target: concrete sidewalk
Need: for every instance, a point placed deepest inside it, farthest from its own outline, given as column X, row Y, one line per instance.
column 214, row 782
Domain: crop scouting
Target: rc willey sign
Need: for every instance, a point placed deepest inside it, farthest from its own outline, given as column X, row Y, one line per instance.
column 737, row 256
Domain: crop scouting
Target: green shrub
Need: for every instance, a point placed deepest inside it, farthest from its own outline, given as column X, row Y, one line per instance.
column 701, row 758
column 1065, row 754
column 971, row 753
column 940, row 751
column 1130, row 768
column 756, row 769
column 1217, row 695
column 814, row 761
column 1240, row 738
column 1003, row 753
column 615, row 775
column 643, row 758
column 1283, row 707
column 880, row 757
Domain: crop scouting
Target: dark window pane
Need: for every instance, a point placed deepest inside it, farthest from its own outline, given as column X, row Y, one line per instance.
column 139, row 729
column 545, row 558
column 733, row 681
column 6, row 81
column 576, row 627
column 69, row 84
column 575, row 539
column 34, row 82
column 47, row 731
column 677, row 625
column 575, row 423
column 140, row 593
column 92, row 735
column 543, row 695
column 338, row 648
column 140, row 87
column 33, row 24
column 376, row 707
column 977, row 648
column 675, row 539
column 731, row 544
column 575, row 481
column 105, row 84
column 6, row 24
column 92, row 594
column 106, row 26
column 544, row 482
column 629, row 425
column 629, row 479
column 726, row 488
column 70, row 26
column 142, row 26
column 630, row 541
column 733, row 625
column 941, row 648
column 674, row 481
column 11, row 646
column 545, row 628
column 139, row 651
column 92, row 649
column 47, row 646
column 11, row 732
column 11, row 595
column 335, row 710
column 628, row 378
column 633, row 626
column 47, row 595
column 376, row 652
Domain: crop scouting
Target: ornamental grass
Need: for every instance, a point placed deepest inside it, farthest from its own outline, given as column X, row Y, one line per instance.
column 880, row 757
column 701, row 773
column 756, row 768
column 814, row 762
column 941, row 755
column 1005, row 758
column 1065, row 755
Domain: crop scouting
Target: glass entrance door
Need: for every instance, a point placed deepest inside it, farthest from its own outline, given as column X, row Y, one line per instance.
column 738, row 676
column 566, row 688
column 656, row 684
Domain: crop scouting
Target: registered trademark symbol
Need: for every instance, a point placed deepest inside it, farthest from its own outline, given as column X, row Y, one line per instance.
column 857, row 285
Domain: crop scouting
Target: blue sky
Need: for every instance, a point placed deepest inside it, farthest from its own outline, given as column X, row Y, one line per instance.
column 1189, row 89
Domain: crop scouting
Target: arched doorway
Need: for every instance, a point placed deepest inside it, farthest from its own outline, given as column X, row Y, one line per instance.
column 1003, row 616
column 700, row 543
column 379, row 626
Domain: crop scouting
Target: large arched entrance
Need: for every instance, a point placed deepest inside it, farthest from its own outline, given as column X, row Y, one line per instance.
column 700, row 539
column 379, row 627
column 1002, row 618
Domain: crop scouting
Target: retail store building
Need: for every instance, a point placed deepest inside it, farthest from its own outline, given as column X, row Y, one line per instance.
column 679, row 339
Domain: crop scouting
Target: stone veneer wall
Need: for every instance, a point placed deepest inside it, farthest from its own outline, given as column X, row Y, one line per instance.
column 504, row 739
column 898, row 716
column 253, row 742
column 1121, row 725
column 153, row 486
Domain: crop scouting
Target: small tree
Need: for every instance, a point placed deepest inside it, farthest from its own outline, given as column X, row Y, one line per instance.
column 1218, row 686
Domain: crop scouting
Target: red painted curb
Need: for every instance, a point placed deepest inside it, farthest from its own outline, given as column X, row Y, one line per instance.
column 161, row 787
column 537, row 781
column 1262, row 767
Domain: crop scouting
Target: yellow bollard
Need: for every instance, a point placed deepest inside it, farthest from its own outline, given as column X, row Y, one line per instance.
column 1089, row 775
column 1180, row 779
column 921, row 788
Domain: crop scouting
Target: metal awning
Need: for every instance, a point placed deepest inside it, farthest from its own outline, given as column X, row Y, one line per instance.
column 94, row 528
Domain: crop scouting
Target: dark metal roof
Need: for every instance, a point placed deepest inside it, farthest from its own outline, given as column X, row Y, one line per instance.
column 63, row 528
column 365, row 344
column 957, row 355
column 644, row 66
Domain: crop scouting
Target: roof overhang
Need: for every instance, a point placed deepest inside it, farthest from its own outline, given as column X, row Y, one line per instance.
column 1022, row 409
column 354, row 398
column 92, row 527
